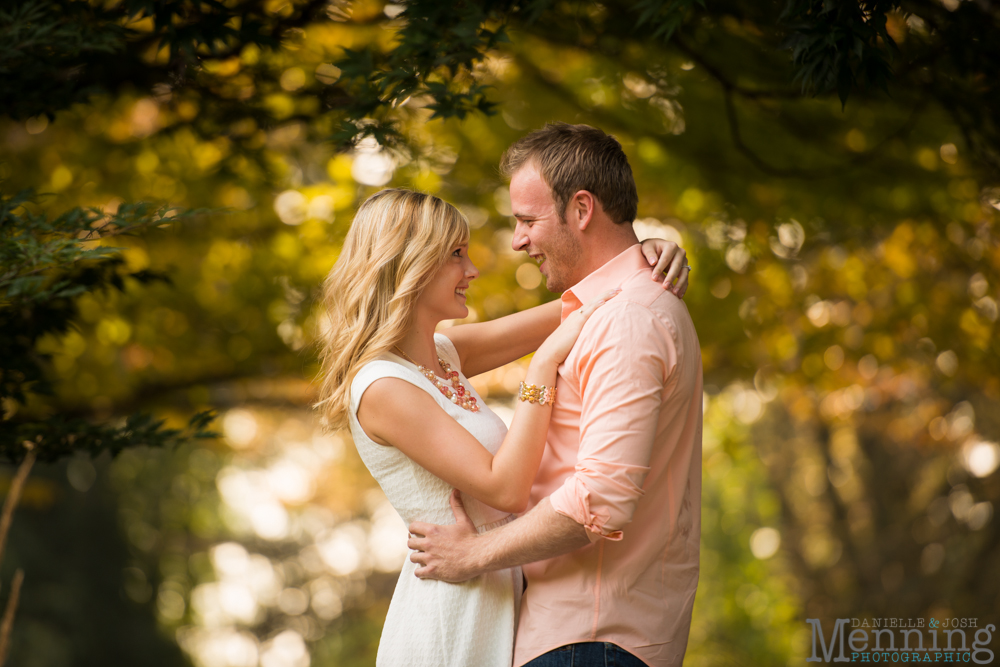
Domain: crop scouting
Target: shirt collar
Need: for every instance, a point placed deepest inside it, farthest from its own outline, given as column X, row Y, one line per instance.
column 611, row 275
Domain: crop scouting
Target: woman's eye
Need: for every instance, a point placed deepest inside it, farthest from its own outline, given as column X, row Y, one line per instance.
column 458, row 252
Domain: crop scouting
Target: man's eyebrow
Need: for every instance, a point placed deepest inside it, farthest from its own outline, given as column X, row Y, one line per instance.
column 522, row 215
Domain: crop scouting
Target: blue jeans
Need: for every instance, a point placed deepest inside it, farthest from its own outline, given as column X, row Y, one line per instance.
column 587, row 654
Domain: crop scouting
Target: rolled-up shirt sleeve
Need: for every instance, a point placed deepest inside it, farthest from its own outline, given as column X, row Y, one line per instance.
column 623, row 373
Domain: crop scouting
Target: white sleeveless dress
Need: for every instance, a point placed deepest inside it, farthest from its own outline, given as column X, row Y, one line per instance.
column 433, row 623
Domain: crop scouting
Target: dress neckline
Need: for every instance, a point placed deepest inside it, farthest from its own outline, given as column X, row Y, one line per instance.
column 417, row 367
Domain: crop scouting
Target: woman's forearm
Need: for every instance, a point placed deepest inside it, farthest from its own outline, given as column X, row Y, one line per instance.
column 534, row 325
column 483, row 346
column 515, row 464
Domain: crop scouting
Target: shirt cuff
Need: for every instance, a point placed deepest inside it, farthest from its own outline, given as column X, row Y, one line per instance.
column 572, row 499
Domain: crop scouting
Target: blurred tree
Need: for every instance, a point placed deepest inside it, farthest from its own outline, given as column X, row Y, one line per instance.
column 947, row 54
column 81, row 603
column 846, row 261
column 47, row 265
column 54, row 54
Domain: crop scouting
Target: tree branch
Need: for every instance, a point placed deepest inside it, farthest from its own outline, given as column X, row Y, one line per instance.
column 14, row 496
column 7, row 624
column 728, row 84
column 809, row 174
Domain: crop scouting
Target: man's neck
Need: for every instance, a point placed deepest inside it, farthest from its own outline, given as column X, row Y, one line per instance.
column 603, row 248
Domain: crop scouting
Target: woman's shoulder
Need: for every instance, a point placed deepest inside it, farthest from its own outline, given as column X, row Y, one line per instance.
column 376, row 369
column 379, row 368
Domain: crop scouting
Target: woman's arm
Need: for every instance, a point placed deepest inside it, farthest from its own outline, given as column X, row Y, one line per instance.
column 483, row 346
column 396, row 413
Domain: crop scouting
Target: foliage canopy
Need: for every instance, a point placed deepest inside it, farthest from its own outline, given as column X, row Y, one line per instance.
column 831, row 166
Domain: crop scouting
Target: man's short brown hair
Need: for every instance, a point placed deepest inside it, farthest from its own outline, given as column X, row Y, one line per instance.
column 578, row 157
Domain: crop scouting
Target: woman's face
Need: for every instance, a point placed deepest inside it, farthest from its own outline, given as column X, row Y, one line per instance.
column 444, row 296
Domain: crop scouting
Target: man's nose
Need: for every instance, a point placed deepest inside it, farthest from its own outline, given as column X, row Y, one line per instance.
column 520, row 239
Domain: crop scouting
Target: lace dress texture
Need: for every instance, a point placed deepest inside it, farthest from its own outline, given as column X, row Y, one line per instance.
column 433, row 623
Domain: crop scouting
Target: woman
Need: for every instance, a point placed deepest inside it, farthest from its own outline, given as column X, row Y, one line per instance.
column 417, row 422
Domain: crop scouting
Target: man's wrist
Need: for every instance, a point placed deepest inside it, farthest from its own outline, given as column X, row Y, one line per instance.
column 477, row 556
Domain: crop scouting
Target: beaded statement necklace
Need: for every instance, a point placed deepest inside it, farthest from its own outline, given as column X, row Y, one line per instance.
column 457, row 393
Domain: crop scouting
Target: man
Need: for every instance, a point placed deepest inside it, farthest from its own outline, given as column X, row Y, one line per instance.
column 610, row 544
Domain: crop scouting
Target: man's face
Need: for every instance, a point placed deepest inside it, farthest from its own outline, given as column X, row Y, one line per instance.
column 541, row 231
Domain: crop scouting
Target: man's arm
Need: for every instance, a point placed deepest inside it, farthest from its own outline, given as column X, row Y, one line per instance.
column 624, row 370
column 622, row 381
column 458, row 553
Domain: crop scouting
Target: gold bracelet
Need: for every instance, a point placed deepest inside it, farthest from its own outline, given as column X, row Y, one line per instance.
column 533, row 393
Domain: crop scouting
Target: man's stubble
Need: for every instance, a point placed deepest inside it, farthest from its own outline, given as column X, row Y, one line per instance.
column 561, row 260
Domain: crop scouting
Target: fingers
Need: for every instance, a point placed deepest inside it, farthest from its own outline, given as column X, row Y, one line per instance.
column 416, row 543
column 668, row 255
column 680, row 288
column 458, row 508
column 602, row 299
column 610, row 294
column 426, row 570
column 676, row 267
column 650, row 252
column 419, row 528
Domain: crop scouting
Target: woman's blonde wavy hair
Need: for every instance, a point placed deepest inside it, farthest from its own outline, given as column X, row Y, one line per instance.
column 397, row 242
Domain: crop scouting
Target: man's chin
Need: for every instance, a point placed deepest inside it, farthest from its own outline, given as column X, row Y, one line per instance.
column 554, row 286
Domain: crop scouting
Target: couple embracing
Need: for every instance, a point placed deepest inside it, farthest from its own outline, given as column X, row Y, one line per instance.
column 602, row 460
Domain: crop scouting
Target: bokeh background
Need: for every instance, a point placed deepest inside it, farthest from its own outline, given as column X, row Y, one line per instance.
column 845, row 292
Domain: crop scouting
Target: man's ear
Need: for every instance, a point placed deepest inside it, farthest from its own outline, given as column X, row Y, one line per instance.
column 581, row 209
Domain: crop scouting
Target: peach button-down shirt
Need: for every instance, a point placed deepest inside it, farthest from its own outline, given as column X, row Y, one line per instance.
column 623, row 459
